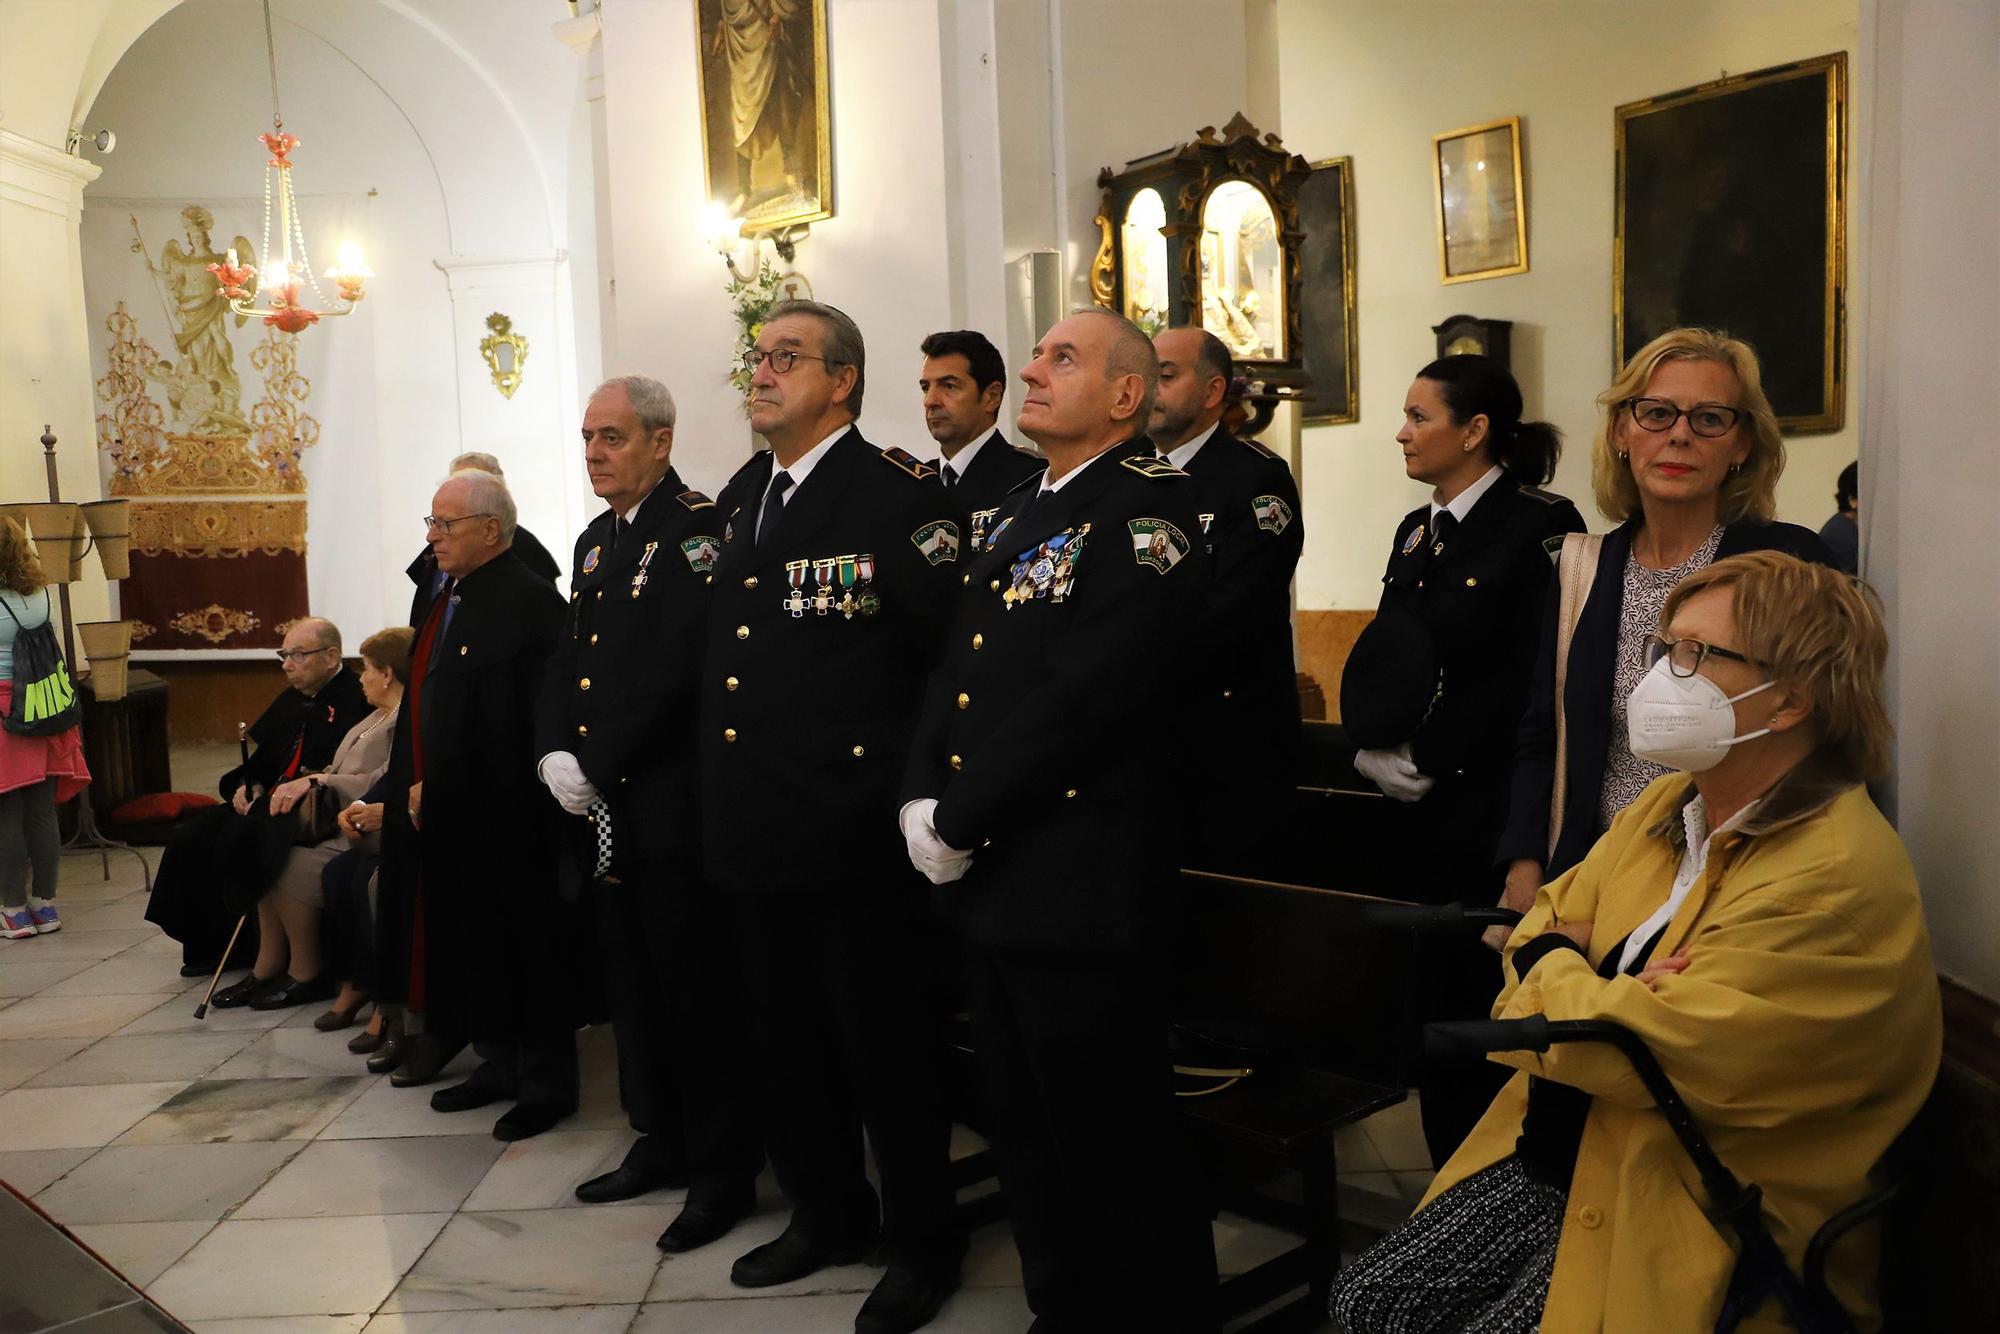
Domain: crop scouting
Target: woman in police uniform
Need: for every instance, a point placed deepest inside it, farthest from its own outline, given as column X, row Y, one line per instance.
column 1435, row 687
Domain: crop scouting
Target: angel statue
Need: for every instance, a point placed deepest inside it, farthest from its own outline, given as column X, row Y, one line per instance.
column 199, row 309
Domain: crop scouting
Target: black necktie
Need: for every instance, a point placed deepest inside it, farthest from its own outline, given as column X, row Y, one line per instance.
column 617, row 527
column 1442, row 529
column 950, row 476
column 774, row 501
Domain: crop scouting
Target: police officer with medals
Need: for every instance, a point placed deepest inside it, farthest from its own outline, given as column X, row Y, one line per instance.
column 1040, row 794
column 838, row 563
column 1435, row 686
column 617, row 745
column 963, row 382
column 1251, row 526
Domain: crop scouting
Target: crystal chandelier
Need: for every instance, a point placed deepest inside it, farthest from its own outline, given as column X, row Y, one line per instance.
column 285, row 264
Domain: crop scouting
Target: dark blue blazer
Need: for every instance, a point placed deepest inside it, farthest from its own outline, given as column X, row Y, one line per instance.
column 1593, row 652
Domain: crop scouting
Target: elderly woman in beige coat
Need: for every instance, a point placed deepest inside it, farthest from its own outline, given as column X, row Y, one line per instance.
column 289, row 969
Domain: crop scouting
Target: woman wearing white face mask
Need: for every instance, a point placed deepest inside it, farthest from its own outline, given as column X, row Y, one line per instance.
column 1757, row 924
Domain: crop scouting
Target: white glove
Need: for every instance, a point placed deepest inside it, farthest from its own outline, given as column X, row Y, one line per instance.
column 1394, row 772
column 562, row 774
column 939, row 861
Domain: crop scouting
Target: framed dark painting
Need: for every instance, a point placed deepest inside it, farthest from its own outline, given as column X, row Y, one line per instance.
column 1731, row 215
column 1326, row 315
column 766, row 137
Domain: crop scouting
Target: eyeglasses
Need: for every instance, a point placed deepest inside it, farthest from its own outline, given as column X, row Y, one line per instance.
column 782, row 359
column 1708, row 420
column 295, row 654
column 443, row 525
column 1685, row 656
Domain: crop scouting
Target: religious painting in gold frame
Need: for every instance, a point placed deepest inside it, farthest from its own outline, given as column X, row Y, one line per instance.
column 1730, row 216
column 1478, row 190
column 766, row 135
column 1329, row 345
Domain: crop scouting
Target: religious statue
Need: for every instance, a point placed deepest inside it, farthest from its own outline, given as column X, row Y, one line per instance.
column 204, row 391
column 768, row 49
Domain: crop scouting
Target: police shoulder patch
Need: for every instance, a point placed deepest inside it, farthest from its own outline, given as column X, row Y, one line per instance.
column 1273, row 514
column 938, row 540
column 695, row 500
column 1157, row 543
column 1553, row 544
column 701, row 551
column 1545, row 497
column 1152, row 468
column 907, row 462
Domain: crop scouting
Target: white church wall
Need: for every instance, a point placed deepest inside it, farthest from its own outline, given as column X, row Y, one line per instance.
column 1375, row 81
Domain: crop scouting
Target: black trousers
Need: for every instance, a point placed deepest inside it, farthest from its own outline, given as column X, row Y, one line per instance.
column 846, row 1038
column 347, row 928
column 187, row 903
column 675, row 993
column 1093, row 1158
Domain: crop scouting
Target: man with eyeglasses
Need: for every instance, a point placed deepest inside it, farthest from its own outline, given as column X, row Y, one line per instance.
column 527, row 548
column 297, row 734
column 838, row 560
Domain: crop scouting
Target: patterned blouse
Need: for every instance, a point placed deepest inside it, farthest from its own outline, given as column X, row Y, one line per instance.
column 1646, row 590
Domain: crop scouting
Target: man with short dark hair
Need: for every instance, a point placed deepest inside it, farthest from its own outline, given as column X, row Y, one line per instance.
column 963, row 381
column 1842, row 533
column 1249, row 703
column 1041, row 794
column 838, row 562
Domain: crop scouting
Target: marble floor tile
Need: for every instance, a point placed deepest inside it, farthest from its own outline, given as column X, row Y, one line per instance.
column 375, row 1176
column 1398, row 1133
column 970, row 1311
column 75, row 1016
column 1354, row 1150
column 291, row 1324
column 31, row 1170
column 1413, row 1185
column 142, row 1251
column 128, row 975
column 294, row 1266
column 144, row 1183
column 237, row 1110
column 704, row 1274
column 117, row 1060
column 21, row 1059
column 1242, row 1244
column 543, row 1172
column 176, row 1015
column 286, row 1053
column 25, row 977
column 128, row 910
column 74, row 943
column 387, row 1112
column 76, row 1118
column 85, row 881
column 545, row 1257
column 991, row 1260
column 1372, row 1199
column 537, row 1320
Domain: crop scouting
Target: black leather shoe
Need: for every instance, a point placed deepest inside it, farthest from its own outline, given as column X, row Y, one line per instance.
column 906, row 1299
column 289, row 993
column 626, row 1182
column 244, row 992
column 201, row 968
column 423, row 1057
column 336, row 1019
column 468, row 1094
column 794, row 1255
column 388, row 1055
column 703, row 1221
column 525, row 1120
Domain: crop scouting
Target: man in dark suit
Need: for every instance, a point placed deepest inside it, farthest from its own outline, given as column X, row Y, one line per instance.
column 963, row 382
column 1249, row 516
column 479, row 828
column 527, row 548
column 838, row 562
column 616, row 735
column 1044, row 773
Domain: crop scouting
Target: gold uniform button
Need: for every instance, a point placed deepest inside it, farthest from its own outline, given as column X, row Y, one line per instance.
column 966, row 579
column 730, row 683
column 742, row 632
column 859, row 751
column 600, row 595
column 1070, row 793
column 995, row 585
column 1226, row 694
column 978, row 640
column 964, row 700
column 583, row 684
column 957, row 763
column 728, row 734
column 706, row 579
column 583, row 729
column 464, row 649
column 750, row 582
column 593, row 639
column 1472, row 583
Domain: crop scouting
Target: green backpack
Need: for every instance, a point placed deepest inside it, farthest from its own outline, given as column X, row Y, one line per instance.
column 44, row 701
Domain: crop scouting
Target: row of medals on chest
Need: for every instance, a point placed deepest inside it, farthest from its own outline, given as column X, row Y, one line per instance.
column 838, row 583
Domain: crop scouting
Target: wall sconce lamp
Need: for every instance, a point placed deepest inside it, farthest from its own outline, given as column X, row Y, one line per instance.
column 726, row 237
column 506, row 353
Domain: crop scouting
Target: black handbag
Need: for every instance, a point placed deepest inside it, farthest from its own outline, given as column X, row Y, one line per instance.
column 45, row 701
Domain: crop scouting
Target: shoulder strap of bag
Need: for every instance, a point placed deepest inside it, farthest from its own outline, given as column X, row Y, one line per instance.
column 1576, row 571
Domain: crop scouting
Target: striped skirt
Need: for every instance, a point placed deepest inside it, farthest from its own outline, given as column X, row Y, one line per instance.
column 1476, row 1260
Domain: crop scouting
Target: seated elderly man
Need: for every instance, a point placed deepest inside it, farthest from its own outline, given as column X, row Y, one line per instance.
column 297, row 734
column 1755, row 921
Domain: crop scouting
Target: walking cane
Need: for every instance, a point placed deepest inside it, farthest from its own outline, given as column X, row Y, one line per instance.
column 201, row 1010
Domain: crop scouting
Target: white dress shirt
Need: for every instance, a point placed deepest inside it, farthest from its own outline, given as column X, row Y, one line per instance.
column 1693, row 862
column 1181, row 455
column 961, row 462
column 1461, row 504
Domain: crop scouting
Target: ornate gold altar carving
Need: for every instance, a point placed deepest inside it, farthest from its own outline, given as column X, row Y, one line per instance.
column 142, row 631
column 218, row 528
column 215, row 623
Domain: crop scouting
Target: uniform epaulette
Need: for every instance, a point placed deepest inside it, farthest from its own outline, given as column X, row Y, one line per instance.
column 695, row 500
column 1259, row 447
column 1027, row 453
column 1152, row 469
column 909, row 463
column 1546, row 497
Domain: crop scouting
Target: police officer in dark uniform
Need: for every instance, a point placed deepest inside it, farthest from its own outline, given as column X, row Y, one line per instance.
column 1435, row 687
column 617, row 741
column 963, row 381
column 1045, row 774
column 1250, row 523
column 838, row 563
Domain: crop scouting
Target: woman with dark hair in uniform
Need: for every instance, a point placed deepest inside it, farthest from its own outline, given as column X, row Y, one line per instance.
column 1435, row 687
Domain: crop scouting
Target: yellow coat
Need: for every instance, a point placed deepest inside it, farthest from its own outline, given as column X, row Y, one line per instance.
column 1804, row 1036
